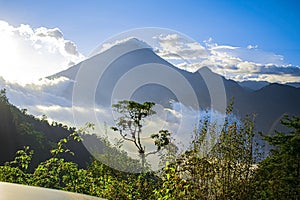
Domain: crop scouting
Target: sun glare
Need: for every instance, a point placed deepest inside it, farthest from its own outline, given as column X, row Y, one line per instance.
column 9, row 57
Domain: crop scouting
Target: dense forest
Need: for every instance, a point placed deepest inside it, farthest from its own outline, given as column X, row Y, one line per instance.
column 34, row 152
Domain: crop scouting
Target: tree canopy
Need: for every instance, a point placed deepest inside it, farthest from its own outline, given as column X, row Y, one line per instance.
column 130, row 123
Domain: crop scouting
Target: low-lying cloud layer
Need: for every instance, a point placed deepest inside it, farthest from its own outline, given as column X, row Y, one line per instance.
column 28, row 54
column 45, row 97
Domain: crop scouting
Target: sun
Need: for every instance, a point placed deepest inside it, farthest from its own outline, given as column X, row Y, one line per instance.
column 9, row 58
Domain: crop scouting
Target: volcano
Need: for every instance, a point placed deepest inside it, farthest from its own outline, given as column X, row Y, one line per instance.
column 133, row 70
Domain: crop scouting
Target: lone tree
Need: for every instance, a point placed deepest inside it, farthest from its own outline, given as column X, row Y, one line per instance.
column 130, row 124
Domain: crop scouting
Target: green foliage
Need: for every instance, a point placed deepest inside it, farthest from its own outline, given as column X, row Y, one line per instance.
column 16, row 170
column 222, row 171
column 130, row 124
column 61, row 145
column 173, row 186
column 13, row 175
column 97, row 179
column 278, row 176
column 3, row 97
column 22, row 159
column 216, row 166
column 117, row 158
column 19, row 129
column 161, row 139
column 55, row 173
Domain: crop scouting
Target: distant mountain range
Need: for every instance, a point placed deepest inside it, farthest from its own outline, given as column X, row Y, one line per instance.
column 256, row 85
column 269, row 101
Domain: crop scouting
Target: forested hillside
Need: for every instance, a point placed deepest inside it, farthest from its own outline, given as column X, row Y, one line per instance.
column 19, row 129
column 234, row 168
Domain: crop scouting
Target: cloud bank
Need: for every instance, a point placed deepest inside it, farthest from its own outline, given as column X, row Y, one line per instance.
column 46, row 97
column 237, row 63
column 28, row 54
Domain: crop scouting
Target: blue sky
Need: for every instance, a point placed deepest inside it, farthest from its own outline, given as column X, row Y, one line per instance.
column 272, row 27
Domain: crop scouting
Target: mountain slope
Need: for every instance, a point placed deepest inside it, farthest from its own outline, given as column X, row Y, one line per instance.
column 18, row 129
column 272, row 102
column 129, row 64
column 253, row 85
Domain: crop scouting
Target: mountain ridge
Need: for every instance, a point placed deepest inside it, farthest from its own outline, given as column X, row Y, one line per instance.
column 124, row 61
column 19, row 129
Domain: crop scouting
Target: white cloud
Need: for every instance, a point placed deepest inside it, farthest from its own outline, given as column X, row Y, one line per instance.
column 28, row 54
column 131, row 42
column 236, row 63
column 173, row 46
column 252, row 46
column 45, row 91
